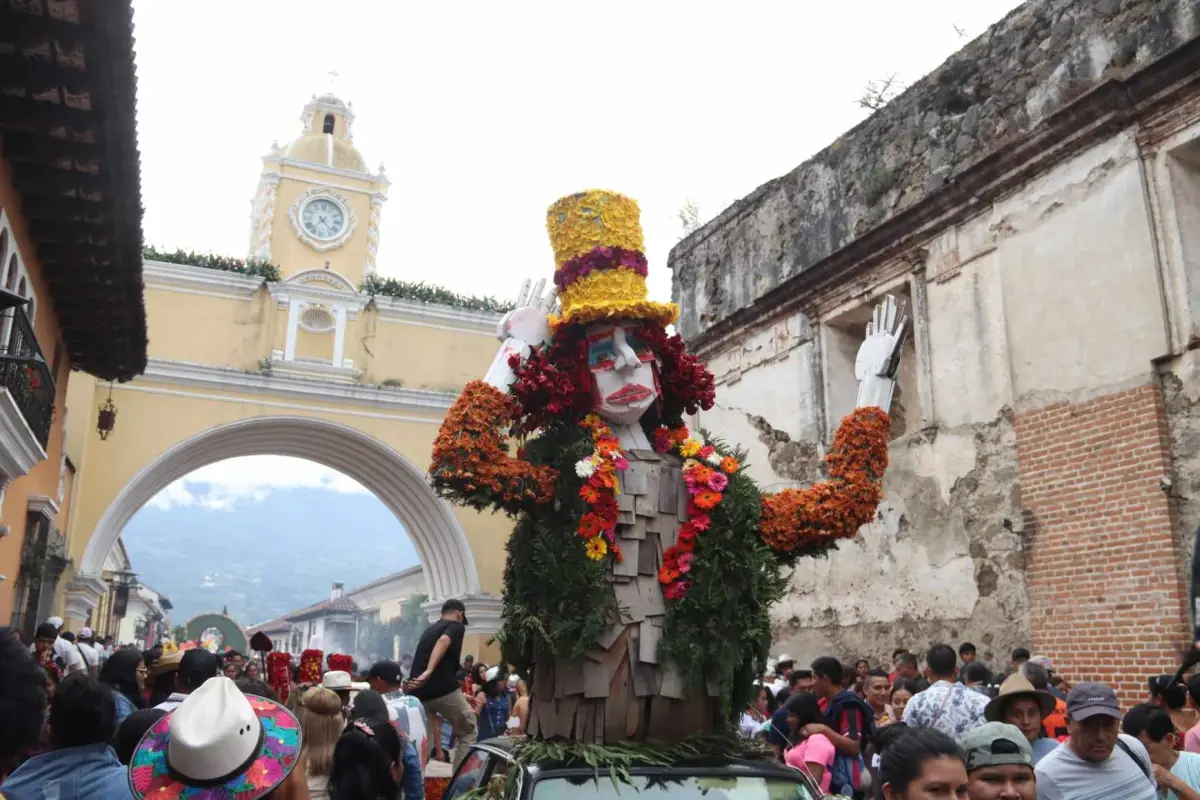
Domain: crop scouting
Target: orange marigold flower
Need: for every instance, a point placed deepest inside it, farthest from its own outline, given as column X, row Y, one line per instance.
column 603, row 479
column 700, row 474
column 707, row 499
column 608, row 447
column 835, row 509
column 589, row 493
column 730, row 464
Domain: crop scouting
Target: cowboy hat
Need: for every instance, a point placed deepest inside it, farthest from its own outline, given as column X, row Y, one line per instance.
column 219, row 743
column 168, row 662
column 339, row 681
column 1016, row 685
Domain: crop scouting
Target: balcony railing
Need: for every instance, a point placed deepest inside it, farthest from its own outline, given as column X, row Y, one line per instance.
column 25, row 373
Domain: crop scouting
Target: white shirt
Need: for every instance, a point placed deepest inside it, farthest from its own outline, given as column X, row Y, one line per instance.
column 408, row 715
column 71, row 657
column 89, row 654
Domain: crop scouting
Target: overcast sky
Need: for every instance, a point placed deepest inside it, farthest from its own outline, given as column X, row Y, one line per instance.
column 485, row 113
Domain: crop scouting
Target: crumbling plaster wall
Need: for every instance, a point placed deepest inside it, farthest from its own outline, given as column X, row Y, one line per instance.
column 1048, row 295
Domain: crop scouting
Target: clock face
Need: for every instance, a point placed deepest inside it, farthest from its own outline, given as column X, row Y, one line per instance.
column 323, row 218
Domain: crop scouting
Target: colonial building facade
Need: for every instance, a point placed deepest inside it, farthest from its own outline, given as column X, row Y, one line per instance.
column 1036, row 201
column 70, row 271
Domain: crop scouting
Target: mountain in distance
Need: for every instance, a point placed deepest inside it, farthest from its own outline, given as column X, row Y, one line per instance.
column 266, row 557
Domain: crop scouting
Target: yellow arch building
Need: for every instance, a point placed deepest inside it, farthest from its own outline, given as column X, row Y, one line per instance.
column 305, row 366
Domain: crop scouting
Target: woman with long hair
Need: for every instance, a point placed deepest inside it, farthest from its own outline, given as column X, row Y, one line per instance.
column 492, row 702
column 903, row 690
column 923, row 764
column 321, row 723
column 125, row 675
column 812, row 754
column 367, row 763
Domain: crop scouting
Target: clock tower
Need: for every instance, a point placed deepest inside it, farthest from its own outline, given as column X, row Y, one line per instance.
column 317, row 205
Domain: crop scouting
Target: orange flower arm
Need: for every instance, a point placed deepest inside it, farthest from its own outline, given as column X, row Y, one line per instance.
column 471, row 464
column 816, row 517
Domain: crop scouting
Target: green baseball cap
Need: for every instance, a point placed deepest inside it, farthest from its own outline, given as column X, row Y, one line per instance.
column 994, row 744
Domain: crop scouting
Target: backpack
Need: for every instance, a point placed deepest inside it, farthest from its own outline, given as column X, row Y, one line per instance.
column 844, row 766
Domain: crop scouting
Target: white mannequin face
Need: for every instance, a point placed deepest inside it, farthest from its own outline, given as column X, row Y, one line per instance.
column 622, row 366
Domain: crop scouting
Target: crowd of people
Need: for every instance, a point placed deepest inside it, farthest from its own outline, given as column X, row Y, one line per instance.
column 82, row 721
column 84, row 726
column 958, row 730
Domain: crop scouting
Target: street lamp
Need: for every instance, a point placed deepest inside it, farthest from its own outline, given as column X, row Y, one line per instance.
column 106, row 420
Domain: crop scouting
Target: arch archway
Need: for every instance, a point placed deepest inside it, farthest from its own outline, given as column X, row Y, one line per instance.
column 232, row 634
column 445, row 554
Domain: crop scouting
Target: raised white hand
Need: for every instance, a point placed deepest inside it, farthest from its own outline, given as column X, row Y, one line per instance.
column 520, row 330
column 879, row 357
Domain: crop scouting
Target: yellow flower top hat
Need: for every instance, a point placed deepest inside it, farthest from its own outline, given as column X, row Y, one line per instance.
column 599, row 263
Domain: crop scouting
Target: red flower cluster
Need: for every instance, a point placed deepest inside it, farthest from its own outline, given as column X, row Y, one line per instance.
column 598, row 259
column 599, row 491
column 706, row 474
column 835, row 509
column 279, row 674
column 687, row 385
column 554, row 382
column 310, row 666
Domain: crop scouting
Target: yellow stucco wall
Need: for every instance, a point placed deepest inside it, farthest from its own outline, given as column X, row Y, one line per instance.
column 402, row 352
column 212, row 330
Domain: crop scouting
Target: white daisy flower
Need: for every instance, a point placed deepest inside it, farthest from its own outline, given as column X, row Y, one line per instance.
column 584, row 468
column 714, row 459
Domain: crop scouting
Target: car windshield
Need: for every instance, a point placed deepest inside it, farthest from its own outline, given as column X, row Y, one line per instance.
column 723, row 787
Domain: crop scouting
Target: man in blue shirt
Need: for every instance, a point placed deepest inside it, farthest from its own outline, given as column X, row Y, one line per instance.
column 81, row 766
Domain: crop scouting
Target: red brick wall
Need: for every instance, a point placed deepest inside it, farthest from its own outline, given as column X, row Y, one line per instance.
column 1106, row 587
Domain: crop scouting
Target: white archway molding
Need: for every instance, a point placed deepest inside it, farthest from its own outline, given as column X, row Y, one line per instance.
column 445, row 555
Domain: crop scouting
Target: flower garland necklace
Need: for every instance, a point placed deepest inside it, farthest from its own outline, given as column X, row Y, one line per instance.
column 706, row 474
column 600, row 470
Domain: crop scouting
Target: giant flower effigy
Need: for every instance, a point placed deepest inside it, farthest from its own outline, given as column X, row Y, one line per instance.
column 644, row 560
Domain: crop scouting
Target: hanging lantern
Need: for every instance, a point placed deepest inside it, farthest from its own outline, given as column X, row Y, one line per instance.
column 107, row 417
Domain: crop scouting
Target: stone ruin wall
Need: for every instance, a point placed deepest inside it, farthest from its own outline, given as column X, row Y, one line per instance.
column 989, row 374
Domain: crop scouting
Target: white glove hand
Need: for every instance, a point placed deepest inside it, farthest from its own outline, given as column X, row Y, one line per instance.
column 520, row 330
column 879, row 357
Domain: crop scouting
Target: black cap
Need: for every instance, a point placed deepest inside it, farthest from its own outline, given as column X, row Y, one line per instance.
column 455, row 605
column 386, row 671
column 196, row 666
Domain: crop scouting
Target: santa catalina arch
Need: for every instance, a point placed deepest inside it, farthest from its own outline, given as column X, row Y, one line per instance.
column 299, row 351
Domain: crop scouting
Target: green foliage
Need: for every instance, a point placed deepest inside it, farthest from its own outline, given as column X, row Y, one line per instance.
column 721, row 630
column 423, row 292
column 178, row 634
column 377, row 638
column 261, row 269
column 556, row 599
column 614, row 761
